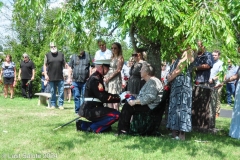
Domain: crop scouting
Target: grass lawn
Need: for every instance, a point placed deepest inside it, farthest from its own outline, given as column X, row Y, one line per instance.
column 26, row 132
column 225, row 106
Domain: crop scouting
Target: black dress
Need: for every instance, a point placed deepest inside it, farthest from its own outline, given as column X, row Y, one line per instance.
column 134, row 82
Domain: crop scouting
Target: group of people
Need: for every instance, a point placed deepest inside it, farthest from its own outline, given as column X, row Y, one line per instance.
column 207, row 67
column 97, row 94
column 25, row 75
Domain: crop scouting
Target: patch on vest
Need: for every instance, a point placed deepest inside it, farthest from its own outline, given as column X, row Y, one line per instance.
column 100, row 87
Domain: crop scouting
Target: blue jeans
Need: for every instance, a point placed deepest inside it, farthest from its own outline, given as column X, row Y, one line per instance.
column 230, row 91
column 78, row 93
column 54, row 85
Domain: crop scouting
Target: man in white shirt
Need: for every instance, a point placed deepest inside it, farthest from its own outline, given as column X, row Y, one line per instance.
column 213, row 80
column 103, row 53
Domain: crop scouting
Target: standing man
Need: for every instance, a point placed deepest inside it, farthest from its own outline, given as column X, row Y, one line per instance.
column 213, row 80
column 203, row 112
column 103, row 53
column 54, row 62
column 95, row 95
column 232, row 70
column 80, row 66
column 203, row 63
column 26, row 75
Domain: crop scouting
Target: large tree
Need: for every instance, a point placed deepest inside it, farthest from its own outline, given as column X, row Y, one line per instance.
column 33, row 37
column 156, row 25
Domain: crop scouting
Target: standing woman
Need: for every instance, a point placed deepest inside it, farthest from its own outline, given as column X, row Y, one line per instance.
column 113, row 79
column 180, row 103
column 9, row 75
column 67, row 86
column 134, row 82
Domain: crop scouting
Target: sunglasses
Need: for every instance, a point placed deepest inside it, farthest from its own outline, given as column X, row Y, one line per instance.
column 134, row 55
column 53, row 46
column 25, row 57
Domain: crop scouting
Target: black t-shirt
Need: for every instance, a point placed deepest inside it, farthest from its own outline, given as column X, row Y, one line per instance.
column 26, row 69
column 55, row 63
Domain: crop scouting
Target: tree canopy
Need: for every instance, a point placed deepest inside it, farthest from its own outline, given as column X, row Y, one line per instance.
column 156, row 25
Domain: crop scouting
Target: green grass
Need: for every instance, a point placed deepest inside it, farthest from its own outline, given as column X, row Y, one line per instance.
column 225, row 106
column 26, row 131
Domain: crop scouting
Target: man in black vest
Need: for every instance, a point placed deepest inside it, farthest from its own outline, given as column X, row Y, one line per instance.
column 55, row 62
column 80, row 65
column 26, row 75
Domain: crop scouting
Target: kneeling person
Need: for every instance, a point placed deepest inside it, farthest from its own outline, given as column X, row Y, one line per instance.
column 95, row 95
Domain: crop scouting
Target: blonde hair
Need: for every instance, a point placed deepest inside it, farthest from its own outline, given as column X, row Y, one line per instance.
column 144, row 55
column 131, row 59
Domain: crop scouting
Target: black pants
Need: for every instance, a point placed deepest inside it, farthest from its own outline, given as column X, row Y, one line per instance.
column 126, row 114
column 26, row 88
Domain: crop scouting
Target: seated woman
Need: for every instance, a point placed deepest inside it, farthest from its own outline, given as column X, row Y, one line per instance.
column 149, row 97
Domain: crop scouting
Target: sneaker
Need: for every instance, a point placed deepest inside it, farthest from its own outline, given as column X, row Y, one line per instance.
column 52, row 107
column 48, row 107
column 61, row 107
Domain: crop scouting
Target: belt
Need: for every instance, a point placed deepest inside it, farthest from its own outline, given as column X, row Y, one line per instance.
column 92, row 99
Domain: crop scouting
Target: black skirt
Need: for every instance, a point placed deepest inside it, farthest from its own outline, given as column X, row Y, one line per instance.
column 8, row 81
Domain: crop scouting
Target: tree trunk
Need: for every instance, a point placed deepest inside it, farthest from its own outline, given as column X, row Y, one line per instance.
column 154, row 58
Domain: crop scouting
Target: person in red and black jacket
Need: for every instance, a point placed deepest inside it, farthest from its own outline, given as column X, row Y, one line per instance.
column 95, row 95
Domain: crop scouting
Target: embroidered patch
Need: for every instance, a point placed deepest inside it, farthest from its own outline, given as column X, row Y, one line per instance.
column 100, row 87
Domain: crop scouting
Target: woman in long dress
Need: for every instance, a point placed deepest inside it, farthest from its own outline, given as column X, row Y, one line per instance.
column 180, row 104
column 113, row 79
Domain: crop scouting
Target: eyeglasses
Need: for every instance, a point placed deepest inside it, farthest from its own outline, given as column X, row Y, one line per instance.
column 53, row 46
column 114, row 48
column 134, row 55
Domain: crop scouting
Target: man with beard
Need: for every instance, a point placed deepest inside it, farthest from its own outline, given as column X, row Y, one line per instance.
column 55, row 62
column 95, row 95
